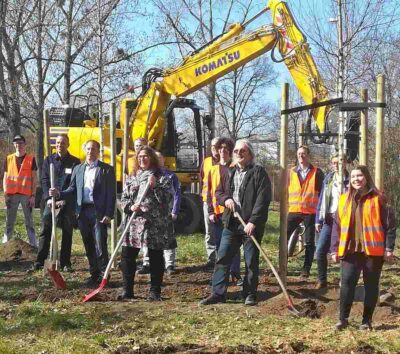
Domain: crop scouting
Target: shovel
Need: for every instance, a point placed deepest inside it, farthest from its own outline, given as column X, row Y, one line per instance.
column 291, row 306
column 104, row 281
column 52, row 265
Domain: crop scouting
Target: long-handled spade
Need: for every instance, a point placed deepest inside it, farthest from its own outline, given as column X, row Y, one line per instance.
column 104, row 281
column 51, row 265
column 291, row 306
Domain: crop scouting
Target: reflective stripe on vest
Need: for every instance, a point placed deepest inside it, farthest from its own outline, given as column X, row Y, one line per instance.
column 207, row 164
column 372, row 228
column 215, row 174
column 303, row 198
column 19, row 182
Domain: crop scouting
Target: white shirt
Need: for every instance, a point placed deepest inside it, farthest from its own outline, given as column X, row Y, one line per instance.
column 335, row 195
column 88, row 181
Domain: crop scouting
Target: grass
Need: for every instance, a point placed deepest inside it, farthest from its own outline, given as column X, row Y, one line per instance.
column 69, row 326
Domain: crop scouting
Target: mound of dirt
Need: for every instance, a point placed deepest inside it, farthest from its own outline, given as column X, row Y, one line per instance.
column 17, row 250
column 310, row 308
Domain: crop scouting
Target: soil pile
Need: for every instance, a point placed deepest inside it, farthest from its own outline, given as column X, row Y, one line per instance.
column 16, row 253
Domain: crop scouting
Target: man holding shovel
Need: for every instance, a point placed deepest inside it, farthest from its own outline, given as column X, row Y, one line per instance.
column 247, row 190
column 64, row 163
column 91, row 182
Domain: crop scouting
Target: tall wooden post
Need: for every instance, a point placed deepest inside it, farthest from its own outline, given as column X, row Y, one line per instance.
column 113, row 145
column 283, row 252
column 364, row 130
column 125, row 145
column 301, row 136
column 380, row 115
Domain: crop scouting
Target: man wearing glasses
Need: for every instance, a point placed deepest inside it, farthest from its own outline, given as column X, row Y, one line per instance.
column 246, row 190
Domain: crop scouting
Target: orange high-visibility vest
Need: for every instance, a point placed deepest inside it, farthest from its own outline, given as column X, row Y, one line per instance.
column 303, row 198
column 207, row 165
column 215, row 177
column 19, row 182
column 372, row 228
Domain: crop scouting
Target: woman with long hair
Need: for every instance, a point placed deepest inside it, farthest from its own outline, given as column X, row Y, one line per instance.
column 149, row 227
column 363, row 240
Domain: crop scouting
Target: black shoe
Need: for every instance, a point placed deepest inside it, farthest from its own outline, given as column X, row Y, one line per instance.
column 365, row 326
column 35, row 267
column 342, row 324
column 210, row 265
column 154, row 296
column 92, row 282
column 213, row 299
column 250, row 300
column 170, row 270
column 124, row 296
column 67, row 269
column 144, row 270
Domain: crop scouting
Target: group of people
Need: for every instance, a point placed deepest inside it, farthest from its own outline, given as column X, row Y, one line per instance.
column 356, row 226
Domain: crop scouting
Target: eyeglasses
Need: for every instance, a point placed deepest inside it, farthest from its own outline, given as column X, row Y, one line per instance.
column 142, row 157
column 240, row 151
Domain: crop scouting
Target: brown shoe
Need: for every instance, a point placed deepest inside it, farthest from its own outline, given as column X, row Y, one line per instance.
column 321, row 285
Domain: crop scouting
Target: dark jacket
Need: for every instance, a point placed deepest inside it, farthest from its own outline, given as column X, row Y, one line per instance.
column 104, row 195
column 254, row 195
column 63, row 168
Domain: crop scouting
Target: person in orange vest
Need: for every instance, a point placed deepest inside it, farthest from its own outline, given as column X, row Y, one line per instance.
column 305, row 183
column 215, row 211
column 205, row 169
column 19, row 185
column 364, row 238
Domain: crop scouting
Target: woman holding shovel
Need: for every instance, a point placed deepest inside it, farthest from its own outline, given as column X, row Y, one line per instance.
column 149, row 227
column 363, row 240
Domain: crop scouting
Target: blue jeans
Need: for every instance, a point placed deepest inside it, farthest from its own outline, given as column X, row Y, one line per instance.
column 323, row 246
column 94, row 236
column 231, row 241
column 218, row 228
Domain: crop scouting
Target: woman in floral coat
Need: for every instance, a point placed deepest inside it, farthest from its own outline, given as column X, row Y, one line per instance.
column 149, row 227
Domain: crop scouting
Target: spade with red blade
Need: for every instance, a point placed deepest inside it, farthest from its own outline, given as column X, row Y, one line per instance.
column 291, row 306
column 51, row 265
column 104, row 281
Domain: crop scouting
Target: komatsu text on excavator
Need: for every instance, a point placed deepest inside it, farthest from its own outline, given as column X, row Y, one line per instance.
column 151, row 114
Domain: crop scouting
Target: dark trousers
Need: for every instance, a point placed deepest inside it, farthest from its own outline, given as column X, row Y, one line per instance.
column 94, row 236
column 218, row 228
column 231, row 241
column 294, row 220
column 351, row 266
column 65, row 221
column 323, row 246
column 128, row 267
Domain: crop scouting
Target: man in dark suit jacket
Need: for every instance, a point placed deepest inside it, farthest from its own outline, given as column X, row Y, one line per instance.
column 64, row 163
column 92, row 183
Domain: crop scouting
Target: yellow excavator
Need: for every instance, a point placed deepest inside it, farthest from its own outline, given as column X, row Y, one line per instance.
column 151, row 114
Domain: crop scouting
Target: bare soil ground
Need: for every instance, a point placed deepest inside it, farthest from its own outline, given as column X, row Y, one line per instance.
column 185, row 288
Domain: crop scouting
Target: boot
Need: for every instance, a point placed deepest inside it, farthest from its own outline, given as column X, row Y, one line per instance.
column 156, row 274
column 128, row 267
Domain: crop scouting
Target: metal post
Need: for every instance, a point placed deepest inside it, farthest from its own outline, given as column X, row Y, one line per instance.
column 47, row 145
column 380, row 115
column 125, row 146
column 283, row 252
column 113, row 145
column 340, row 92
column 364, row 130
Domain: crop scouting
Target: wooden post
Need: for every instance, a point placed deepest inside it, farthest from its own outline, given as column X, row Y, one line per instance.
column 283, row 252
column 364, row 130
column 47, row 146
column 113, row 145
column 301, row 137
column 380, row 115
column 273, row 190
column 125, row 146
